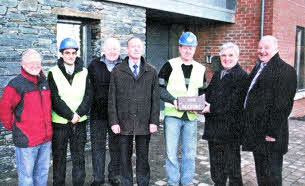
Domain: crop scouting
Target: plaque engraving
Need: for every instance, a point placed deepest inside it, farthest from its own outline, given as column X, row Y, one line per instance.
column 191, row 103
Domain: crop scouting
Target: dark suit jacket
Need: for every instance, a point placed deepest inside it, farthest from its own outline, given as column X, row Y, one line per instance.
column 226, row 97
column 134, row 103
column 268, row 106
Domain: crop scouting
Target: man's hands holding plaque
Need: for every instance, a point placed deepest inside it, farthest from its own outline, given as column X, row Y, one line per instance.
column 206, row 108
column 193, row 104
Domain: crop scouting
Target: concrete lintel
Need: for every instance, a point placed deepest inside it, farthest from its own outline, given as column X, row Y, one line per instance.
column 205, row 11
column 76, row 13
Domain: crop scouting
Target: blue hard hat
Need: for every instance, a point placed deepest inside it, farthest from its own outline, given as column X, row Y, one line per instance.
column 188, row 39
column 68, row 43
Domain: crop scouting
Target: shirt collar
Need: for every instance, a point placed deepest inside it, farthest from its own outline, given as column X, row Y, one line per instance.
column 131, row 63
column 69, row 68
column 107, row 62
column 110, row 65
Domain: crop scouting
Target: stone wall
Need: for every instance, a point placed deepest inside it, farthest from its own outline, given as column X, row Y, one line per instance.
column 32, row 24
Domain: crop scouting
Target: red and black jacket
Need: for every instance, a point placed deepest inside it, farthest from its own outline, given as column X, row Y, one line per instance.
column 25, row 108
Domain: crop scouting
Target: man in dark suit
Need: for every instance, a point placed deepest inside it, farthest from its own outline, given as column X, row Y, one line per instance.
column 224, row 100
column 134, row 109
column 268, row 103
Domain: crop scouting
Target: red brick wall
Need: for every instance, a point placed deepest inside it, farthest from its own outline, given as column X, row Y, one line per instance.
column 281, row 19
column 245, row 33
column 288, row 14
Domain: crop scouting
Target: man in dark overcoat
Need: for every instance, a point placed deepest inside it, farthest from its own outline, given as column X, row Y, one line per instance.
column 99, row 73
column 268, row 103
column 224, row 100
column 134, row 109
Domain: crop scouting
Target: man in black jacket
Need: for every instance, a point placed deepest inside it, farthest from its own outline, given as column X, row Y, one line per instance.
column 71, row 101
column 134, row 109
column 99, row 73
column 224, row 97
column 269, row 101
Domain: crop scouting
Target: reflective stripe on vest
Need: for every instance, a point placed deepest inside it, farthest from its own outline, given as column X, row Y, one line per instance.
column 176, row 86
column 72, row 95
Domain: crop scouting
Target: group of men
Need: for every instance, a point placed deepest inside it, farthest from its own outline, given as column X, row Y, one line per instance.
column 122, row 97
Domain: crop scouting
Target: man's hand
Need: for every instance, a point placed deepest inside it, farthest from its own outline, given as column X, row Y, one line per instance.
column 206, row 108
column 270, row 139
column 176, row 104
column 153, row 128
column 116, row 128
column 75, row 118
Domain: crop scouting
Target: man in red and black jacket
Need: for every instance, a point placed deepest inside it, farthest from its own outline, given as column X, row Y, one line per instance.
column 25, row 108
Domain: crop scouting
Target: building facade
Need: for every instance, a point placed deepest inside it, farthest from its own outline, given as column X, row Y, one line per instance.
column 41, row 24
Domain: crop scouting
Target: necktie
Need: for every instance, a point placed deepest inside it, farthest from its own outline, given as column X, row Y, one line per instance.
column 254, row 81
column 135, row 67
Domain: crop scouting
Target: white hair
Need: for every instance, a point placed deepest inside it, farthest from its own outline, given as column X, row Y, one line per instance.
column 272, row 39
column 227, row 45
column 29, row 53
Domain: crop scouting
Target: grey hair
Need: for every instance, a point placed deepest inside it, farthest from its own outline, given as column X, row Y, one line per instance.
column 227, row 45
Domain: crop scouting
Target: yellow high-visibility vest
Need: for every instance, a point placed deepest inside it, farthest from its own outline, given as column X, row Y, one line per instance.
column 72, row 95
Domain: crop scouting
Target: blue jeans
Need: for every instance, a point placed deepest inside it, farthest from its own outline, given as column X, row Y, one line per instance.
column 174, row 127
column 33, row 164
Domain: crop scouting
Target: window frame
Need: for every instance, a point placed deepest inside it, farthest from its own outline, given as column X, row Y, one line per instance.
column 300, row 56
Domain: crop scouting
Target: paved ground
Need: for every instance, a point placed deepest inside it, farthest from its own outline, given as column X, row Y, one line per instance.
column 293, row 168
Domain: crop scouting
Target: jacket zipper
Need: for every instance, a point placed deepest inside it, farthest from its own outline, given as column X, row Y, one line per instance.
column 43, row 111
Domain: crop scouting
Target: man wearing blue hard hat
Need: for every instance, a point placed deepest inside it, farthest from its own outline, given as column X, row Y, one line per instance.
column 181, row 76
column 71, row 100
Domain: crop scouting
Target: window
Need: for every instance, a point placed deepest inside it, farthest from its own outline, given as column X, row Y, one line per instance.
column 300, row 58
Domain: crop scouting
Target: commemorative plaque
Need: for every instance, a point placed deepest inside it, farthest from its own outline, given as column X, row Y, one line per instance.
column 191, row 103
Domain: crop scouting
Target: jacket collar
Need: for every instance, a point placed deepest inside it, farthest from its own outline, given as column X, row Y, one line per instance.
column 30, row 77
column 78, row 65
column 236, row 67
column 272, row 61
column 103, row 59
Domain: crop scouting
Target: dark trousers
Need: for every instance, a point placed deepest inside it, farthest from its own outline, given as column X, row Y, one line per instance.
column 225, row 163
column 75, row 134
column 268, row 168
column 142, row 164
column 98, row 133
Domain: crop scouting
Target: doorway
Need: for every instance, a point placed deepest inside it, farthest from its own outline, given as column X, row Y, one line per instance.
column 162, row 42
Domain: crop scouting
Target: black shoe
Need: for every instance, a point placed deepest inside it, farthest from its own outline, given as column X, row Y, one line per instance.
column 115, row 181
column 97, row 183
